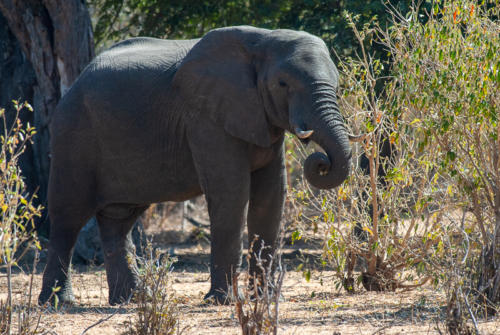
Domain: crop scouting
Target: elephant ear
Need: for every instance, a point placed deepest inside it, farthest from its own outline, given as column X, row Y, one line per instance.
column 218, row 77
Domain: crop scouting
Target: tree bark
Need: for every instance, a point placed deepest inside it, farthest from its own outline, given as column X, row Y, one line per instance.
column 17, row 81
column 55, row 38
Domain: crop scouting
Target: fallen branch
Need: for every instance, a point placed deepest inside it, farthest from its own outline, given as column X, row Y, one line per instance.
column 100, row 321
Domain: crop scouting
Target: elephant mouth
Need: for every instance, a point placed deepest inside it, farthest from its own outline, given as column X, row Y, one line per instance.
column 305, row 141
column 328, row 169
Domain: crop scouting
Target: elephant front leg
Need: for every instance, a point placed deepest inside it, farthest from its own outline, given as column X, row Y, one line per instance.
column 223, row 169
column 227, row 210
column 267, row 197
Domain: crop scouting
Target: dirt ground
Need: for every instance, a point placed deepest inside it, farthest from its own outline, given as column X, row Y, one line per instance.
column 313, row 307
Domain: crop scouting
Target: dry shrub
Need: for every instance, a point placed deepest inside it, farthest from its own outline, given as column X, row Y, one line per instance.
column 430, row 209
column 157, row 311
column 385, row 219
column 17, row 215
column 257, row 306
column 27, row 317
column 448, row 72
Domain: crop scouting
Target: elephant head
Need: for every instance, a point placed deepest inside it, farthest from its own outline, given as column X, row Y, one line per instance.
column 252, row 80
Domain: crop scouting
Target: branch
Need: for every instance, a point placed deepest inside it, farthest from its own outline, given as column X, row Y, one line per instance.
column 100, row 321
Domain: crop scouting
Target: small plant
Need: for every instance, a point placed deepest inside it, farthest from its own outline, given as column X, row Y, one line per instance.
column 157, row 312
column 258, row 307
column 17, row 212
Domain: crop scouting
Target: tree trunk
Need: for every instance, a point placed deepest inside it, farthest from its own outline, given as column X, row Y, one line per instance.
column 55, row 38
column 17, row 81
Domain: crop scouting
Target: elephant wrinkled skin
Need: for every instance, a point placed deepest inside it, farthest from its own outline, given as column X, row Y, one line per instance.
column 153, row 120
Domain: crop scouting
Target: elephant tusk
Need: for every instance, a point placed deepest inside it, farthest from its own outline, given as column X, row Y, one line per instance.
column 303, row 134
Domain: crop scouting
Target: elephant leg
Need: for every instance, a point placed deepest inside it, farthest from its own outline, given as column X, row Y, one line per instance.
column 267, row 197
column 115, row 226
column 227, row 209
column 223, row 169
column 64, row 229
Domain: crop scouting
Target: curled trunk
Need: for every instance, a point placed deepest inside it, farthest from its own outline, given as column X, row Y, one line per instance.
column 328, row 170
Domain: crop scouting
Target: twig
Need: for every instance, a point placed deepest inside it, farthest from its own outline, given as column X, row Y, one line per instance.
column 470, row 312
column 238, row 304
column 100, row 321
column 359, row 138
column 197, row 222
column 437, row 326
column 409, row 287
column 33, row 271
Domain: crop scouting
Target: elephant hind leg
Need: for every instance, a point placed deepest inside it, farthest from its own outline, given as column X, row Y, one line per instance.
column 71, row 203
column 64, row 231
column 115, row 225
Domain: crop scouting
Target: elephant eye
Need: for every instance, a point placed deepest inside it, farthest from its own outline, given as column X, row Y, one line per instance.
column 282, row 83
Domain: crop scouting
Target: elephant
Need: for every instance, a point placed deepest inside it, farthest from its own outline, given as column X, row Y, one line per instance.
column 153, row 120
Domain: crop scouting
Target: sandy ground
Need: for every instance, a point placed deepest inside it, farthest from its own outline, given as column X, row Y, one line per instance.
column 313, row 307
column 307, row 307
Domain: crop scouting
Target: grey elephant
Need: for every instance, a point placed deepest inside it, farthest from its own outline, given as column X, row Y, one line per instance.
column 153, row 120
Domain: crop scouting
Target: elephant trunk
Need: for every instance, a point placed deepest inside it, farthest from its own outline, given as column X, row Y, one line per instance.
column 330, row 170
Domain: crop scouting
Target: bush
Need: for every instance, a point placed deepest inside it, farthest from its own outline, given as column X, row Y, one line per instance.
column 448, row 76
column 258, row 307
column 17, row 213
column 157, row 312
column 384, row 218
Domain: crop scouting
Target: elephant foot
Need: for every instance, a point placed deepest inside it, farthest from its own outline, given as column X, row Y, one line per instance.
column 122, row 292
column 56, row 298
column 122, row 276
column 123, row 296
column 218, row 297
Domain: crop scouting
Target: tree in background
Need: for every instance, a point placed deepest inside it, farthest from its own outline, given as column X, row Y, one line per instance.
column 117, row 19
column 44, row 46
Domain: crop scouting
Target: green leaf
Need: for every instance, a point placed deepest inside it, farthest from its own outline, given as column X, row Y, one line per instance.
column 369, row 126
column 450, row 155
column 296, row 236
column 307, row 275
